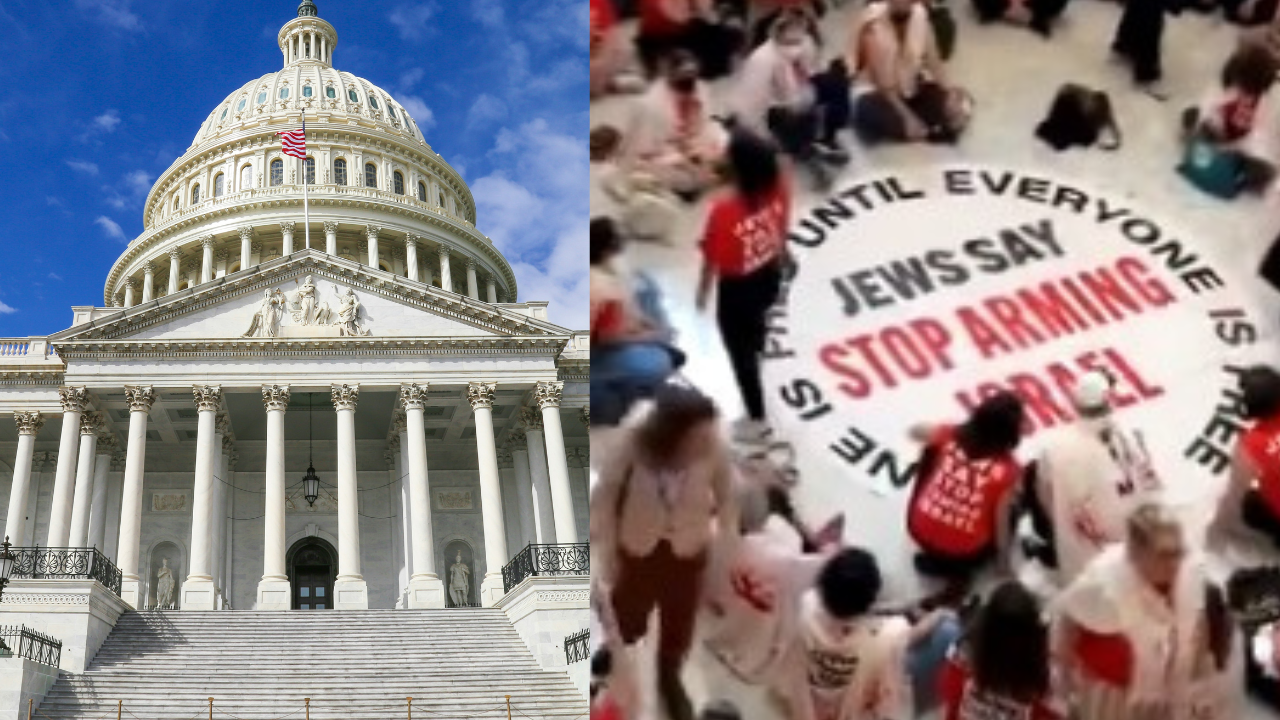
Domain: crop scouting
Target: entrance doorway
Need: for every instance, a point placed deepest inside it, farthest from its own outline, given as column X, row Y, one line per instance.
column 312, row 565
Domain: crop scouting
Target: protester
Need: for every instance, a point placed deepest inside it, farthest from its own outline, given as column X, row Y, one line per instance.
column 672, row 136
column 743, row 251
column 637, row 201
column 960, row 513
column 1039, row 15
column 608, row 52
column 1137, row 41
column 665, row 493
column 1253, row 488
column 1001, row 668
column 1236, row 120
column 692, row 26
column 903, row 90
column 1126, row 631
column 1088, row 478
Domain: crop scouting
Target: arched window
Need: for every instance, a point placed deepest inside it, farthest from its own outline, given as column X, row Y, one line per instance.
column 440, row 200
column 329, row 92
column 422, row 192
column 391, row 111
column 224, row 113
column 340, row 172
column 284, row 93
column 175, row 203
column 353, row 96
column 262, row 97
column 398, row 180
column 373, row 101
column 277, row 172
column 219, row 185
column 306, row 91
column 195, row 194
column 246, row 177
column 242, row 104
column 309, row 170
column 370, row 175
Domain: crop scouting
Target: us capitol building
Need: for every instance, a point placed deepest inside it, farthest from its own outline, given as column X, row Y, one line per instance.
column 248, row 423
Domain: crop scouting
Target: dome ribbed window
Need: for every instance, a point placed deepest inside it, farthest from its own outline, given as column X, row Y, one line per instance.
column 340, row 172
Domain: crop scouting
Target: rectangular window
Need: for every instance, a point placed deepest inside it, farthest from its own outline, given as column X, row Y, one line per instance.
column 370, row 176
column 305, row 606
column 320, row 606
column 340, row 172
column 319, row 592
column 309, row 166
column 304, row 592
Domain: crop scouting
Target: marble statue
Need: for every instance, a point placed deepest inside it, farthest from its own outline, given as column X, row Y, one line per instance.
column 348, row 320
column 306, row 309
column 164, row 586
column 266, row 322
column 459, row 582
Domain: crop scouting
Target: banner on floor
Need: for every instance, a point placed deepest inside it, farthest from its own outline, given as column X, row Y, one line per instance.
column 917, row 295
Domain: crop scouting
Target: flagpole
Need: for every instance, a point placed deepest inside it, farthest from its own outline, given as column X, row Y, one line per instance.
column 306, row 210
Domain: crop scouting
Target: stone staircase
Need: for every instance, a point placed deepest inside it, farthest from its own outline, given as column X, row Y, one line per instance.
column 456, row 664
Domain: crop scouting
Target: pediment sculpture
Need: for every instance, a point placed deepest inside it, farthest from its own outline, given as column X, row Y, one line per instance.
column 306, row 309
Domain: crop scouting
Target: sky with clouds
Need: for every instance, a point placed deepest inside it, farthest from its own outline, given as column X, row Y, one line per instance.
column 106, row 94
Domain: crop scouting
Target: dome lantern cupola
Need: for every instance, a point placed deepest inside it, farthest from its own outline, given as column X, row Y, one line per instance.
column 307, row 38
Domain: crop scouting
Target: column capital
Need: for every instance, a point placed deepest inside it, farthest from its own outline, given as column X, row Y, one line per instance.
column 130, row 283
column 91, row 423
column 371, row 231
column 411, row 240
column 139, row 397
column 531, row 419
column 222, row 424
column 73, row 399
column 246, row 232
column 517, row 434
column 149, row 268
column 480, row 394
column 444, row 250
column 287, row 226
column 228, row 444
column 585, row 414
column 29, row 423
column 275, row 397
column 547, row 393
column 413, row 396
column 108, row 445
column 471, row 263
column 504, row 458
column 345, row 396
column 175, row 255
column 208, row 398
column 207, row 241
column 331, row 226
column 118, row 458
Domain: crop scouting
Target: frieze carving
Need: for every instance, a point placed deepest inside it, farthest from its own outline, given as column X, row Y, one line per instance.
column 399, row 424
column 564, row 596
column 531, row 419
column 12, row 598
column 275, row 397
column 306, row 309
column 480, row 394
column 139, row 397
column 29, row 423
column 228, row 444
column 413, row 396
column 222, row 424
column 547, row 394
column 345, row 396
column 73, row 399
column 208, row 398
column 108, row 445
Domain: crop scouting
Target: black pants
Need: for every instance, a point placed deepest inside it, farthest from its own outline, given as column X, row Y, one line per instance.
column 742, row 306
column 876, row 118
column 1041, row 521
column 1138, row 38
column 1043, row 12
column 1259, row 517
column 797, row 129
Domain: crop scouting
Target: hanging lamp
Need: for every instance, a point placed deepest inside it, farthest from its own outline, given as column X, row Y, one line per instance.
column 310, row 483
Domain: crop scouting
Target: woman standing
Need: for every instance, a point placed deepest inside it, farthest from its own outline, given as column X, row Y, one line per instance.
column 743, row 251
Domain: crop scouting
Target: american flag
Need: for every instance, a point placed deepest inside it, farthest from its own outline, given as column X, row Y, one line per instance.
column 294, row 142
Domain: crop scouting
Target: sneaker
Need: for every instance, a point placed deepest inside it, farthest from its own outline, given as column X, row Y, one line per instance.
column 750, row 432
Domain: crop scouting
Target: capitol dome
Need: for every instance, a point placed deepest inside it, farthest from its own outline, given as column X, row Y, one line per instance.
column 378, row 194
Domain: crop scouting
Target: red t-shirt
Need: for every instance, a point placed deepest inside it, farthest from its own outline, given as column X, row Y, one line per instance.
column 740, row 239
column 1261, row 444
column 1106, row 657
column 603, row 18
column 955, row 509
column 963, row 699
column 654, row 19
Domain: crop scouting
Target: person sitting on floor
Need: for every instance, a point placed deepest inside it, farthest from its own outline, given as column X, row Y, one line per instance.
column 672, row 136
column 694, row 26
column 1236, row 120
column 777, row 94
column 903, row 92
column 1039, row 15
column 960, row 513
column 608, row 52
column 642, row 208
column 1253, row 490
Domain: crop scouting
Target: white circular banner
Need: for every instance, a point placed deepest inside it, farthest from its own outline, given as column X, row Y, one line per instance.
column 918, row 294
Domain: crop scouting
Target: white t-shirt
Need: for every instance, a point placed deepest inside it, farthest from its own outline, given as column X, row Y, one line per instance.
column 770, row 79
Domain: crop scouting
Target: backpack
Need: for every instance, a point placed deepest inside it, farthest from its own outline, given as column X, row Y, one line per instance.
column 1210, row 169
column 1079, row 117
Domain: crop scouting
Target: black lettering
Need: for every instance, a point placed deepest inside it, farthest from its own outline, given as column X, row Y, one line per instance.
column 857, row 193
column 1140, row 230
column 848, row 296
column 958, row 182
column 815, row 236
column 1202, row 279
column 850, row 452
column 996, row 183
column 872, row 294
column 1107, row 213
column 1043, row 231
column 1033, row 189
column 1206, row 454
column 907, row 278
column 832, row 213
column 805, row 397
column 1071, row 197
column 948, row 270
column 984, row 250
column 901, row 193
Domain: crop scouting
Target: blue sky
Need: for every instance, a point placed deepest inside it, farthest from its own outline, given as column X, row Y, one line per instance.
column 105, row 94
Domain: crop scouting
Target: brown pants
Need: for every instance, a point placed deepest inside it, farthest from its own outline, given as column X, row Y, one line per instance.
column 661, row 580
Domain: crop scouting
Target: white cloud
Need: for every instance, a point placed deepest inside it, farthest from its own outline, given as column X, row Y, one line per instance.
column 87, row 168
column 412, row 20
column 130, row 192
column 419, row 111
column 53, row 201
column 107, row 121
column 488, row 12
column 55, row 276
column 486, row 109
column 6, row 310
column 113, row 12
column 410, row 77
column 110, row 227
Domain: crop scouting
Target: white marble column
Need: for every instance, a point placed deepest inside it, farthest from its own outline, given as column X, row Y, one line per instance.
column 446, row 275
column 547, row 395
column 491, row 291
column 371, row 232
column 148, row 281
column 524, row 489
column 543, row 518
column 97, row 537
column 495, row 533
column 331, row 237
column 15, row 525
column 175, row 266
column 406, row 509
column 140, row 398
column 198, row 592
column 90, row 426
column 286, row 229
column 219, row 514
column 473, row 289
column 274, row 589
column 74, row 401
column 425, row 588
column 349, row 590
column 129, row 285
column 246, row 246
column 206, row 259
column 411, row 256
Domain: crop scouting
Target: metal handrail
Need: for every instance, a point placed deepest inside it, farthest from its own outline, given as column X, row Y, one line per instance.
column 37, row 563
column 577, row 647
column 542, row 560
column 22, row 641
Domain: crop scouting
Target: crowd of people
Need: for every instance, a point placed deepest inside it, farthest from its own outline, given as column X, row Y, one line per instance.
column 695, row 539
